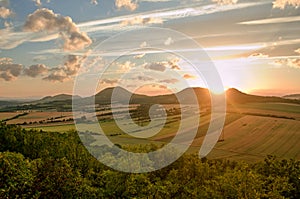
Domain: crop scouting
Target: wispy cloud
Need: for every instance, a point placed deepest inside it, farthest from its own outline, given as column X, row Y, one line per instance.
column 272, row 20
column 225, row 2
column 141, row 21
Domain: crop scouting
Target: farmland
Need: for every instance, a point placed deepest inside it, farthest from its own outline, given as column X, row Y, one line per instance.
column 251, row 131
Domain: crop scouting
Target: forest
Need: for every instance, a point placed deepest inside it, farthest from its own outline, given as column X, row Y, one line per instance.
column 39, row 164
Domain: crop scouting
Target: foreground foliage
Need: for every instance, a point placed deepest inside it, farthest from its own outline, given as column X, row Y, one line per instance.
column 37, row 164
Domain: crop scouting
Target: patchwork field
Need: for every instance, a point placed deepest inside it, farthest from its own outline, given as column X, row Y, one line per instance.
column 37, row 118
column 251, row 131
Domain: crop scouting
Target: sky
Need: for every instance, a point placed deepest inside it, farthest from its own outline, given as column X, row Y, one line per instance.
column 48, row 47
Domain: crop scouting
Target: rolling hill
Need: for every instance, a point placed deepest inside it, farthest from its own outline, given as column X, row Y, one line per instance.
column 233, row 96
column 292, row 96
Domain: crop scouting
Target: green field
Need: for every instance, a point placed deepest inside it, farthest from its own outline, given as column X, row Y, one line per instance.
column 251, row 132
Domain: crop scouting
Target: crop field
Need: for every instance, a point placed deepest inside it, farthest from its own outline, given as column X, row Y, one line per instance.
column 254, row 137
column 271, row 109
column 7, row 115
column 37, row 117
column 251, row 131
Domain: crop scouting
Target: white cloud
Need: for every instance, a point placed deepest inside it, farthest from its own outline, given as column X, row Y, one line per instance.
column 5, row 12
column 143, row 45
column 95, row 2
column 46, row 20
column 298, row 50
column 139, row 56
column 128, row 4
column 37, row 2
column 283, row 3
column 169, row 41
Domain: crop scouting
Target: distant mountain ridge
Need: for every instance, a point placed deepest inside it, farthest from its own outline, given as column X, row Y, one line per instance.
column 60, row 97
column 233, row 96
column 292, row 96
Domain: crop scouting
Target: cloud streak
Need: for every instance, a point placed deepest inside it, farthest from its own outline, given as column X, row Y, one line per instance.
column 272, row 21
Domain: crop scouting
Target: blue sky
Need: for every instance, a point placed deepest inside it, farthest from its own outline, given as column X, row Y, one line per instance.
column 45, row 45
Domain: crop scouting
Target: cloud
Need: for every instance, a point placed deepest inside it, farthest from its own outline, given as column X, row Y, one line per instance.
column 139, row 56
column 70, row 68
column 128, row 4
column 141, row 21
column 225, row 2
column 144, row 78
column 157, row 66
column 46, row 20
column 37, row 2
column 281, row 4
column 162, row 66
column 169, row 81
column 9, row 70
column 272, row 20
column 188, row 76
column 124, row 67
column 35, row 70
column 143, row 45
column 95, row 2
column 298, row 50
column 173, row 63
column 109, row 81
column 169, row 41
column 293, row 63
column 5, row 12
column 258, row 55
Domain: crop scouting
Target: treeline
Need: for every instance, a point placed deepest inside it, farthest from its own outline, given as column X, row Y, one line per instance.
column 37, row 164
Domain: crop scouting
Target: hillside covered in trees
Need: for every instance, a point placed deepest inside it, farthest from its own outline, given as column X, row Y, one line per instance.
column 37, row 164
